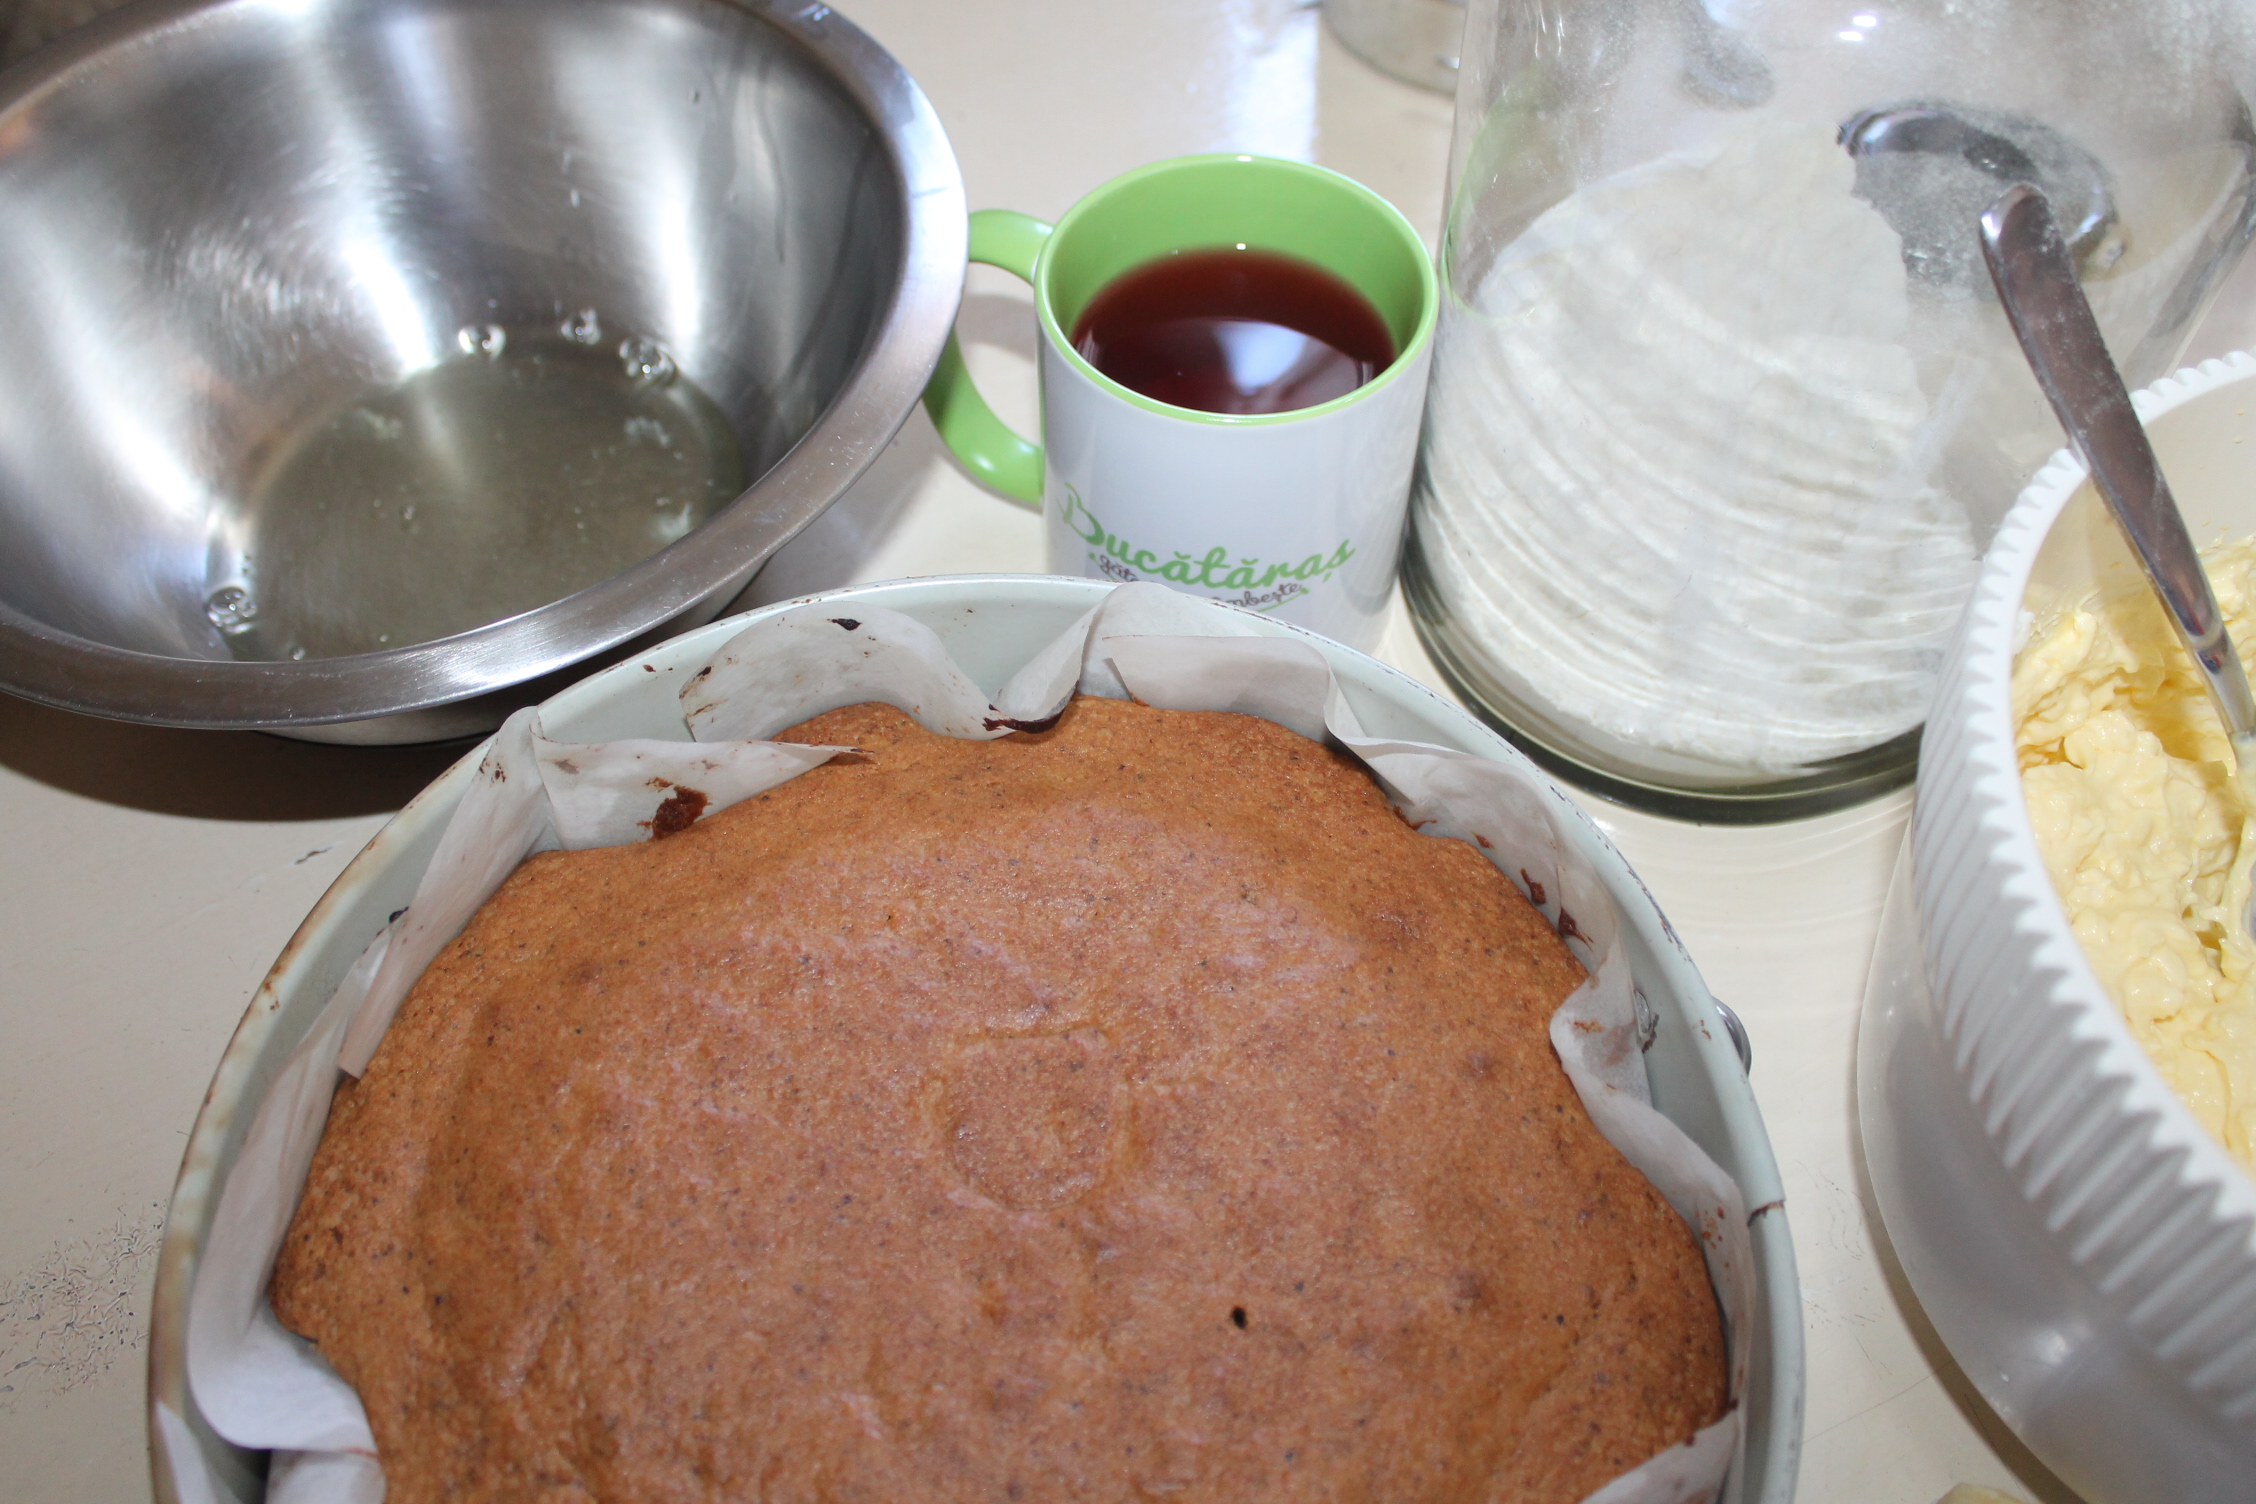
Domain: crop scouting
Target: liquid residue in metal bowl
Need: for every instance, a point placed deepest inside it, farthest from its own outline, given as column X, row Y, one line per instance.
column 531, row 464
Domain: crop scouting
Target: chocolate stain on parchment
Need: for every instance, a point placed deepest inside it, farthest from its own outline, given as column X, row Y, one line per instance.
column 678, row 813
column 1000, row 722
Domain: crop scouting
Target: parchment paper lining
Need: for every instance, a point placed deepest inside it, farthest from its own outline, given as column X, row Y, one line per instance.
column 261, row 1386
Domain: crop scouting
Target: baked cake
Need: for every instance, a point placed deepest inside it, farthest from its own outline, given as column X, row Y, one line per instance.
column 1135, row 1108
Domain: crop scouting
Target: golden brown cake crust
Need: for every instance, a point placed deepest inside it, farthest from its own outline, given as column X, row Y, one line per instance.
column 1137, row 1108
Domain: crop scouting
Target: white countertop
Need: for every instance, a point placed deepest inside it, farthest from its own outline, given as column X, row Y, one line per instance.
column 151, row 876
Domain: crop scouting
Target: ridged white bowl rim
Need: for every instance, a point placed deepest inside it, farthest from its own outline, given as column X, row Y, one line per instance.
column 1996, row 816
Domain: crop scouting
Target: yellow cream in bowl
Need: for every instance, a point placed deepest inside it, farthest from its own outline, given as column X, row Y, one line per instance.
column 2129, row 783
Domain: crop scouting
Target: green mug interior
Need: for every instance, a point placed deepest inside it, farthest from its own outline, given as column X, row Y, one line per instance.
column 1196, row 203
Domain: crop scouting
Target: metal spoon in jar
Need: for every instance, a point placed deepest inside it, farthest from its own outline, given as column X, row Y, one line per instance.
column 2036, row 280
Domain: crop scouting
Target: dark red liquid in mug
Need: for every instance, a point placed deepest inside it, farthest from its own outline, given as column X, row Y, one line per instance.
column 1234, row 331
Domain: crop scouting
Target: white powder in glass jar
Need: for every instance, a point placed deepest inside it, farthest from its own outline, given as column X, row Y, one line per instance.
column 1675, row 484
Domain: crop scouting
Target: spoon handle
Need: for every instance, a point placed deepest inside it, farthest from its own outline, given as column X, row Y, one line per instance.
column 2045, row 303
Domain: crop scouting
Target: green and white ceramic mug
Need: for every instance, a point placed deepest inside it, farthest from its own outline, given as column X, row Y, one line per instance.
column 1295, row 514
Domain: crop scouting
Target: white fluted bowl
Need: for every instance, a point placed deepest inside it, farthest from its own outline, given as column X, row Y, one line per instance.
column 2086, row 1250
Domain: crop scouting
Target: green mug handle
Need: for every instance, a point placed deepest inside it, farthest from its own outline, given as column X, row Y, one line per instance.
column 985, row 444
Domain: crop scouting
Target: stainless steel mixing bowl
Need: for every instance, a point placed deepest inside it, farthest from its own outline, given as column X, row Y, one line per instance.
column 252, row 253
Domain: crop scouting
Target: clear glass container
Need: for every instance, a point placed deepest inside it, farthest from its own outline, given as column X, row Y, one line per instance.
column 1724, row 409
column 1414, row 40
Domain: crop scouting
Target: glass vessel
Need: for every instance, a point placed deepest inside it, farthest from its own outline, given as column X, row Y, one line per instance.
column 1724, row 409
column 1414, row 40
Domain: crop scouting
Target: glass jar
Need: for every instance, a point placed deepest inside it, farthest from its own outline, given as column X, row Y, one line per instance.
column 1724, row 409
column 1413, row 40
